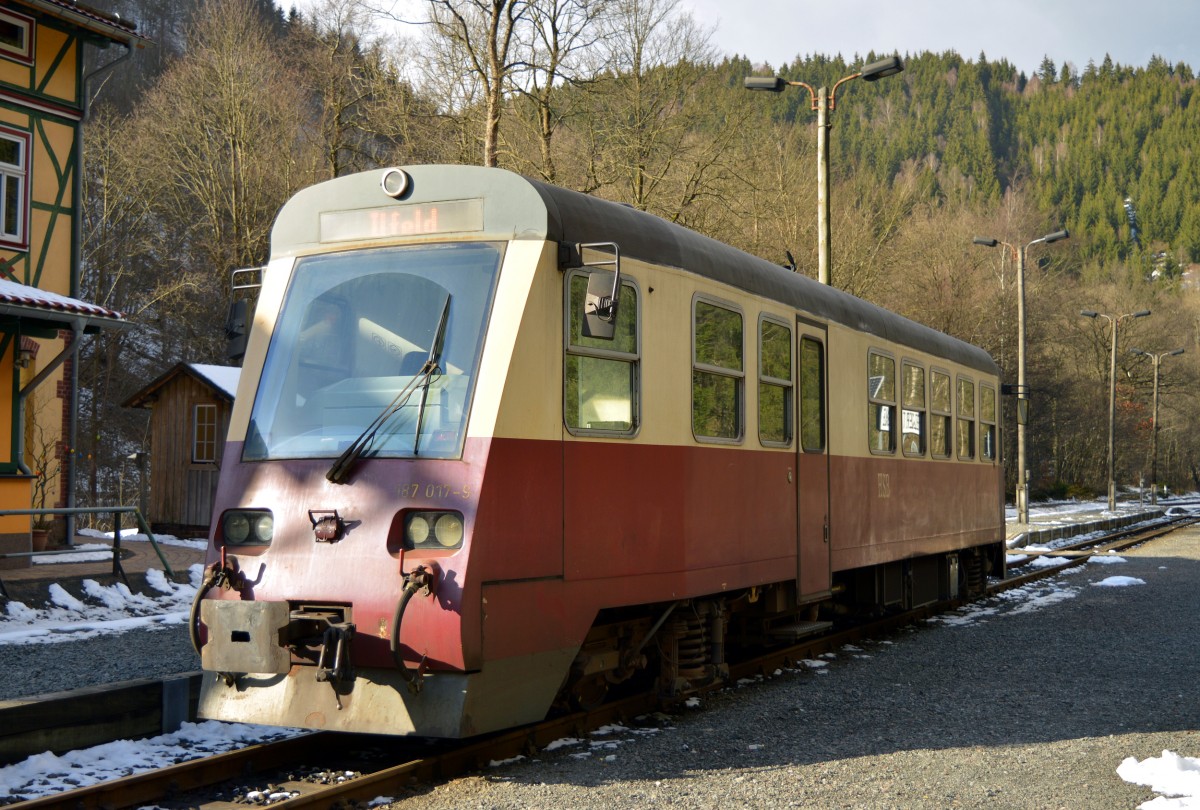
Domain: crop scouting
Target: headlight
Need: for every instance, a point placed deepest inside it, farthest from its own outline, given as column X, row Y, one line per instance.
column 237, row 527
column 264, row 528
column 430, row 530
column 418, row 530
column 449, row 530
column 241, row 527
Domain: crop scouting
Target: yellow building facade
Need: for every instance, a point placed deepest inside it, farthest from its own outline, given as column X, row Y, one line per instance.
column 43, row 105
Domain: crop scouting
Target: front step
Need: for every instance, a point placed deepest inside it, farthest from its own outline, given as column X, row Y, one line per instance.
column 799, row 630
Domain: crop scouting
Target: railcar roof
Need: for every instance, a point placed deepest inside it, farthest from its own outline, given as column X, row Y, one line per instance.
column 517, row 207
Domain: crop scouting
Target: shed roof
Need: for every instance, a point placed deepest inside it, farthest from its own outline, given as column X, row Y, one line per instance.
column 221, row 379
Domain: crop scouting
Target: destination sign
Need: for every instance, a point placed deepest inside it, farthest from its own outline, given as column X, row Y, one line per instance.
column 451, row 216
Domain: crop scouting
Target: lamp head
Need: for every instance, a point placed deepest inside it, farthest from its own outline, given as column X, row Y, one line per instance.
column 1056, row 236
column 1088, row 313
column 882, row 69
column 1141, row 313
column 771, row 84
column 980, row 240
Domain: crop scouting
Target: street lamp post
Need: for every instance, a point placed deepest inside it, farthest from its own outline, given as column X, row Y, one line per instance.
column 1115, row 322
column 823, row 102
column 1156, row 358
column 1022, row 492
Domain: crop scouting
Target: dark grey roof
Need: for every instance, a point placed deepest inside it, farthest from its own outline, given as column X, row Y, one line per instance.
column 522, row 208
column 575, row 217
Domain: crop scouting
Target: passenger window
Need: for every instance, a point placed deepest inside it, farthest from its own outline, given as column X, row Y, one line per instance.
column 717, row 372
column 939, row 423
column 912, row 428
column 966, row 419
column 987, row 421
column 601, row 378
column 812, row 395
column 881, row 411
column 774, row 383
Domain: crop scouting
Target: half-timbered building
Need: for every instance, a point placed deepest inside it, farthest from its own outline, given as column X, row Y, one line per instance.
column 43, row 104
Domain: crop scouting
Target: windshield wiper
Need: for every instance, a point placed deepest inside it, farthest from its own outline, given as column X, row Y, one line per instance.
column 340, row 471
column 435, row 354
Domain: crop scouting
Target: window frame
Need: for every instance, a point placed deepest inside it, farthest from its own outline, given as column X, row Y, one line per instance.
column 989, row 428
column 970, row 453
column 635, row 359
column 872, row 399
column 19, row 240
column 738, row 375
column 789, row 385
column 198, row 456
column 22, row 55
column 947, row 415
column 921, row 410
column 822, row 391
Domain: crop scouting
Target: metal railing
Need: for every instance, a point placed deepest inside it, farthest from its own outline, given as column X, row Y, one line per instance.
column 115, row 511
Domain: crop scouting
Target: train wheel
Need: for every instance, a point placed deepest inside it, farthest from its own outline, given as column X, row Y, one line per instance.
column 590, row 692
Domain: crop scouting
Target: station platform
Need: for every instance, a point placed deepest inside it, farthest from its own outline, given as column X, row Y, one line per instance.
column 1050, row 522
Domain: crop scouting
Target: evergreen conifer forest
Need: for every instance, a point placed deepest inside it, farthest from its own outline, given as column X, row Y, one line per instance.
column 195, row 142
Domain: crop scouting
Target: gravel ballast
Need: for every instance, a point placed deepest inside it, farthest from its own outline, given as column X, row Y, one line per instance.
column 1026, row 701
column 1029, row 700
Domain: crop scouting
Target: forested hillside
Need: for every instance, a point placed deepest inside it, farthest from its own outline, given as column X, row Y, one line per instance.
column 194, row 144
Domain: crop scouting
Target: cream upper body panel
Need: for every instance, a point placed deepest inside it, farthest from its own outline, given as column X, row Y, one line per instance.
column 519, row 392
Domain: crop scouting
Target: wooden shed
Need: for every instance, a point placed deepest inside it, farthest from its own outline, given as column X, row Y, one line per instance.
column 190, row 407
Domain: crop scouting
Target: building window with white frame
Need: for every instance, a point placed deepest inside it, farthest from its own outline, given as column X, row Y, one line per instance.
column 14, row 188
column 16, row 37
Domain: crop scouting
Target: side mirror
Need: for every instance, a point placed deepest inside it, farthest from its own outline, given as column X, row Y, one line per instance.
column 236, row 334
column 600, row 306
column 603, row 292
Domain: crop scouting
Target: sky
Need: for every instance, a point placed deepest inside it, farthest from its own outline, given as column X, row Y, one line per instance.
column 1021, row 31
column 114, row 609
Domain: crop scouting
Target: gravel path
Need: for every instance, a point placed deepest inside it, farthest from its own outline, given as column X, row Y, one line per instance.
column 1028, row 702
column 35, row 669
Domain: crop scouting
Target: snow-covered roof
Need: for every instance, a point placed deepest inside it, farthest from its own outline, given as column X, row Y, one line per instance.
column 109, row 25
column 223, row 377
column 30, row 303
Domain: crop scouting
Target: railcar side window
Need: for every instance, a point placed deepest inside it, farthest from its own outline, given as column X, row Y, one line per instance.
column 812, row 395
column 966, row 419
column 601, row 377
column 881, row 411
column 774, row 383
column 939, row 424
column 912, row 429
column 987, row 422
column 717, row 372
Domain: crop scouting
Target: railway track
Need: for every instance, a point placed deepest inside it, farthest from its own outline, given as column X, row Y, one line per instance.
column 357, row 768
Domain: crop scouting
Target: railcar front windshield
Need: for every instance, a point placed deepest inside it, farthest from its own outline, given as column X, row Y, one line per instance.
column 355, row 330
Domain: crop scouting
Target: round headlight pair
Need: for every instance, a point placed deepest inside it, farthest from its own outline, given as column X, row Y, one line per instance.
column 434, row 530
column 247, row 528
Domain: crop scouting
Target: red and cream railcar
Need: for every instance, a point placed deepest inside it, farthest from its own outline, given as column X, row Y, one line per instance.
column 465, row 479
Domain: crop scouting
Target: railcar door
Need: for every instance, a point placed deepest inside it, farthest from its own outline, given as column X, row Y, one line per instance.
column 812, row 463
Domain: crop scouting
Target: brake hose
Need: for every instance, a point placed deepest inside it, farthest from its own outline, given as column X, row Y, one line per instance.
column 419, row 579
column 220, row 574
